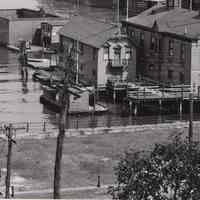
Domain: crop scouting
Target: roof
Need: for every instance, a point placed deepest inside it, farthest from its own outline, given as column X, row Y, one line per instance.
column 178, row 21
column 58, row 22
column 25, row 14
column 88, row 31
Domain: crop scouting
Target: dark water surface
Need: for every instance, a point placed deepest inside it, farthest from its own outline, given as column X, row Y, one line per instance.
column 19, row 100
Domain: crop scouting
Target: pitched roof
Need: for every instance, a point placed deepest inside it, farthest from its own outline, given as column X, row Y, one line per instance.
column 88, row 31
column 177, row 21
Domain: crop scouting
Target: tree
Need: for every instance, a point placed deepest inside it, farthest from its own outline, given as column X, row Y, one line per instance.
column 169, row 172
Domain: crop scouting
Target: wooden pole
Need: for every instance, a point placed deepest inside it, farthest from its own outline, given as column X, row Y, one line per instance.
column 64, row 103
column 8, row 172
column 136, row 109
column 77, row 61
column 190, row 134
column 118, row 17
column 59, row 147
column 127, row 10
column 181, row 108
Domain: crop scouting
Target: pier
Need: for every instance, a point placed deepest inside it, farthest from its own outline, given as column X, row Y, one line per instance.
column 140, row 94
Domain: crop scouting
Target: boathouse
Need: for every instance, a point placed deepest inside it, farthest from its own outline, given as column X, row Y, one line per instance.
column 24, row 24
column 101, row 53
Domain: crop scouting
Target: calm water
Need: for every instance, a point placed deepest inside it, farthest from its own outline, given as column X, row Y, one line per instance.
column 19, row 100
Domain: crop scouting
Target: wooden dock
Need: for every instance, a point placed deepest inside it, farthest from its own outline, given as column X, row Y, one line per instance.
column 140, row 94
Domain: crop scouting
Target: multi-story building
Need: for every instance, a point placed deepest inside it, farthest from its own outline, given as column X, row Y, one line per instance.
column 168, row 43
column 101, row 54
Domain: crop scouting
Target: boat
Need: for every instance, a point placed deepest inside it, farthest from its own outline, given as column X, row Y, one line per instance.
column 41, row 76
column 79, row 101
column 13, row 48
column 39, row 63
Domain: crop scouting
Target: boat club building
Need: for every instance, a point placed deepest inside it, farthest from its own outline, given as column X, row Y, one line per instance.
column 102, row 52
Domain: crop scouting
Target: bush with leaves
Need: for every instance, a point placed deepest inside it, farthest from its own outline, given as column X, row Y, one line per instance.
column 169, row 172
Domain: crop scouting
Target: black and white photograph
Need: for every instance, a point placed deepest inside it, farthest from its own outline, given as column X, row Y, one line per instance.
column 100, row 99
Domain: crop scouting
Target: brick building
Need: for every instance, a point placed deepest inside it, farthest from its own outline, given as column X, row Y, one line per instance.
column 102, row 55
column 168, row 40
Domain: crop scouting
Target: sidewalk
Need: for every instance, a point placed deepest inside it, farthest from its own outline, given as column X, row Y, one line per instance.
column 88, row 192
column 82, row 132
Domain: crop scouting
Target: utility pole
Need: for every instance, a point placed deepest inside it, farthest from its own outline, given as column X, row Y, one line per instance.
column 64, row 109
column 118, row 17
column 127, row 10
column 9, row 135
column 190, row 134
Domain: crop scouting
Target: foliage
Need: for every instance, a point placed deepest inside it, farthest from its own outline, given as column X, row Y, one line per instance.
column 169, row 171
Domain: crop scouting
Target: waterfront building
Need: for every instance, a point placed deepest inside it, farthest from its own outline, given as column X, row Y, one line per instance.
column 168, row 43
column 23, row 24
column 102, row 53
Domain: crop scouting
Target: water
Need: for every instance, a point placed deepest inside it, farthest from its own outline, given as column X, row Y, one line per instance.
column 19, row 100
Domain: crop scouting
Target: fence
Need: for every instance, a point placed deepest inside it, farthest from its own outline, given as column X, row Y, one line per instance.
column 89, row 122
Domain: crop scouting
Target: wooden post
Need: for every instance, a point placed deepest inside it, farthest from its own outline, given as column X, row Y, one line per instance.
column 190, row 134
column 131, row 107
column 182, row 92
column 8, row 172
column 181, row 108
column 114, row 95
column 160, row 105
column 44, row 126
column 77, row 118
column 136, row 109
column 98, row 181
column 94, row 106
column 27, row 127
column 12, row 191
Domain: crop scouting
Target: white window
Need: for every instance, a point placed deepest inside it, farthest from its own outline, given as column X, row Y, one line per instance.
column 128, row 53
column 106, row 53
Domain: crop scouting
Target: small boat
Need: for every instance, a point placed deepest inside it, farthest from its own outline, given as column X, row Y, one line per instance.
column 41, row 76
column 13, row 48
column 38, row 63
column 79, row 101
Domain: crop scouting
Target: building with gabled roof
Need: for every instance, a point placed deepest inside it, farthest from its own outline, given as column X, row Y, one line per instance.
column 101, row 54
column 168, row 40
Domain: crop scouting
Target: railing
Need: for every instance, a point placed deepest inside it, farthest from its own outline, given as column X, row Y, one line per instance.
column 46, row 127
column 118, row 62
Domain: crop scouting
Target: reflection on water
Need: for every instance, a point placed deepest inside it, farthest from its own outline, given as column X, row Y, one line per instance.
column 19, row 98
column 19, row 102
